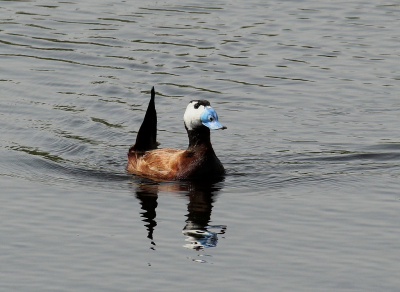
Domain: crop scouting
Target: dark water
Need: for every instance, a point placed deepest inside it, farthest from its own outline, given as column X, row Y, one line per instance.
column 309, row 92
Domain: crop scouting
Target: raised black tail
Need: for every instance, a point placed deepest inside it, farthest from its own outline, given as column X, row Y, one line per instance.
column 146, row 138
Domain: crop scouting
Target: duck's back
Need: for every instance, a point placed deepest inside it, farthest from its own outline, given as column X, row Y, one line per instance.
column 158, row 163
column 173, row 164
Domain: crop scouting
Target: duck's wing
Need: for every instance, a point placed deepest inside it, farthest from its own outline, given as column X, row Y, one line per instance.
column 146, row 138
column 164, row 163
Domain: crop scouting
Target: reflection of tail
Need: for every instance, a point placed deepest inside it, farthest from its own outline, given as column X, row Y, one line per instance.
column 146, row 138
column 148, row 200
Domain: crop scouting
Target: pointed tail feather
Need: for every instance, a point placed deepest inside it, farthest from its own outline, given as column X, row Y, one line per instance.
column 147, row 136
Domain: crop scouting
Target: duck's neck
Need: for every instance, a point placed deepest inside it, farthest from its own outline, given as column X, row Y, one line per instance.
column 199, row 137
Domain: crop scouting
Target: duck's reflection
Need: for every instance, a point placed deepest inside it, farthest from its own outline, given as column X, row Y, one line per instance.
column 148, row 200
column 201, row 194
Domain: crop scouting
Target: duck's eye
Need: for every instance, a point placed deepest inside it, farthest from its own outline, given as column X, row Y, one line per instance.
column 211, row 118
column 196, row 106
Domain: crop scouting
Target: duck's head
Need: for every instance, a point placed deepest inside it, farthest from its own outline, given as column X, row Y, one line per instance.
column 199, row 113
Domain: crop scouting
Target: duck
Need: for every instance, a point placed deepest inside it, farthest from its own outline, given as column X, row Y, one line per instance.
column 197, row 161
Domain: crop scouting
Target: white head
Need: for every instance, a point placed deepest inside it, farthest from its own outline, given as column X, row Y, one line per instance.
column 199, row 113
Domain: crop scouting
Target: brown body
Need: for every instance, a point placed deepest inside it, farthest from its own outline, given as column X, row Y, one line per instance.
column 198, row 161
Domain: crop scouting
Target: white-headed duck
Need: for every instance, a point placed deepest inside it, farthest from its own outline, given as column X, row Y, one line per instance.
column 197, row 161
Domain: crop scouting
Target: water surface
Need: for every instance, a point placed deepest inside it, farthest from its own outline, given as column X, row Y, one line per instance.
column 308, row 91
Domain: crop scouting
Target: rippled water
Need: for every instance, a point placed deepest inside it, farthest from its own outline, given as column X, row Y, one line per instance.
column 308, row 91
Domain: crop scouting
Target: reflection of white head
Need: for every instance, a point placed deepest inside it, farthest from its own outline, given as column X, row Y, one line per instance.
column 199, row 113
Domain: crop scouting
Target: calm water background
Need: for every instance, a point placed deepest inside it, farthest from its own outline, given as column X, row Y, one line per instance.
column 309, row 91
